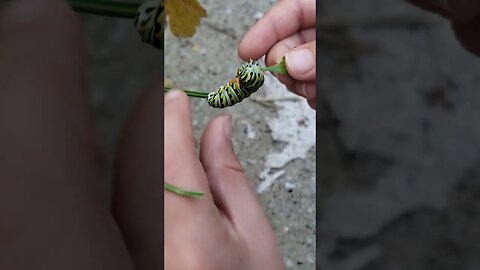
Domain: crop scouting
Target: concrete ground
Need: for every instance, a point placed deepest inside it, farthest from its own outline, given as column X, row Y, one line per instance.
column 274, row 136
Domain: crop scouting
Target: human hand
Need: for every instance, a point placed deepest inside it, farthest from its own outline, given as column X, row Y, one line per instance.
column 226, row 228
column 288, row 29
column 464, row 16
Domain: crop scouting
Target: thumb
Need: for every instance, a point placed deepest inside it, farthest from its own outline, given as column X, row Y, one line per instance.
column 234, row 197
column 300, row 62
column 230, row 189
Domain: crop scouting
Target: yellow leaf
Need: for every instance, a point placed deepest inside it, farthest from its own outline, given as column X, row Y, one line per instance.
column 184, row 16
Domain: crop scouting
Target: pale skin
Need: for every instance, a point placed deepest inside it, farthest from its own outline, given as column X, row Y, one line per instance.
column 226, row 229
column 51, row 212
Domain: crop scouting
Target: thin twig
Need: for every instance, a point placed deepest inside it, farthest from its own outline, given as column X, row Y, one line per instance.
column 189, row 93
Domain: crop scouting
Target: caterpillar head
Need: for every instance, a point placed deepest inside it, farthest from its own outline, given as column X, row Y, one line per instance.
column 211, row 98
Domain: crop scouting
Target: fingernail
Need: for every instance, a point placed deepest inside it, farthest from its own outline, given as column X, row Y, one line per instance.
column 300, row 61
column 171, row 95
column 227, row 126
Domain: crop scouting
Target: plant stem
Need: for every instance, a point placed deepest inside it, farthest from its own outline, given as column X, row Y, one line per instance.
column 189, row 93
column 279, row 68
column 105, row 8
column 182, row 192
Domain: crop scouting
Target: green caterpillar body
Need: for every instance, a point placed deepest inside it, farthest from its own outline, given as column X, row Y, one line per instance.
column 227, row 95
column 150, row 22
column 249, row 78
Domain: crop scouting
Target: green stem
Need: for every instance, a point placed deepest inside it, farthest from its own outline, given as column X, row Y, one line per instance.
column 279, row 68
column 105, row 8
column 189, row 93
column 182, row 192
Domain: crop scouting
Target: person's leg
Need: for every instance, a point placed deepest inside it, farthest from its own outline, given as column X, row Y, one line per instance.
column 51, row 212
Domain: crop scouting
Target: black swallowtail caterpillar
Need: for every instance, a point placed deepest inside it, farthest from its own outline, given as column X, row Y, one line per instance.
column 250, row 76
column 249, row 79
column 150, row 22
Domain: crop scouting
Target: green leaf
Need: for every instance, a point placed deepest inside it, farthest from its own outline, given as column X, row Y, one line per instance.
column 183, row 192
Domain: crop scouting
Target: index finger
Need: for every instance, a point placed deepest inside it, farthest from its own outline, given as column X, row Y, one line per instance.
column 182, row 168
column 284, row 19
